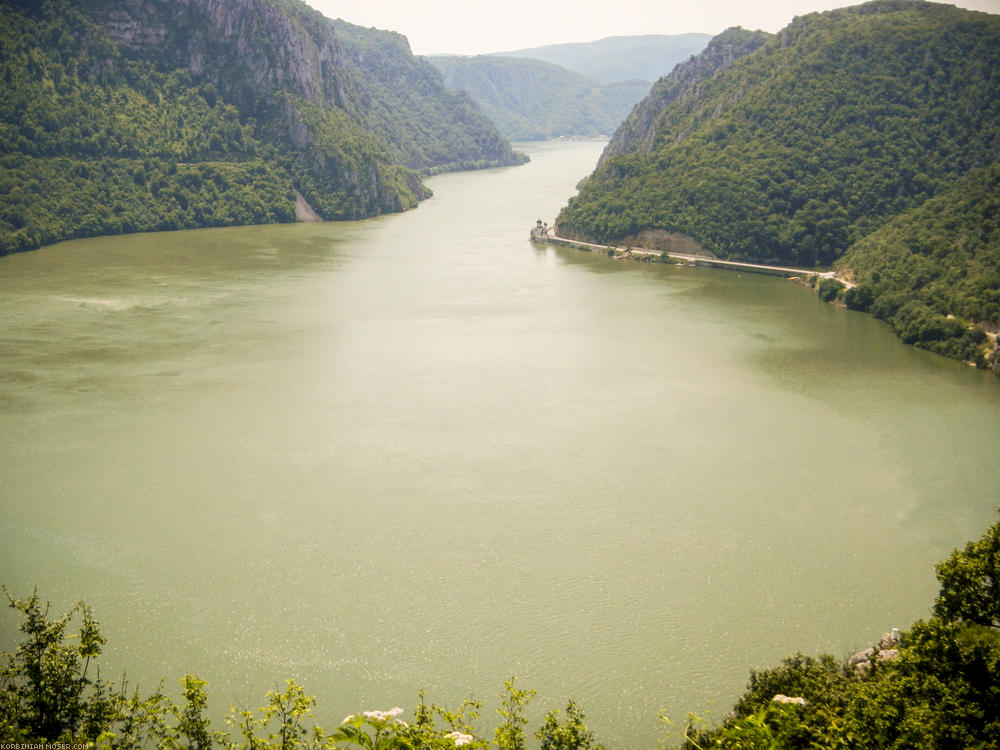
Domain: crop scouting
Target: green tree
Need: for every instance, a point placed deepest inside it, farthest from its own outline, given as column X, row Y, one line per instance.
column 571, row 734
column 45, row 691
column 510, row 734
column 970, row 582
column 192, row 724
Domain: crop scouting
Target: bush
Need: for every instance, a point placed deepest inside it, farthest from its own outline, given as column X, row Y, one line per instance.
column 829, row 289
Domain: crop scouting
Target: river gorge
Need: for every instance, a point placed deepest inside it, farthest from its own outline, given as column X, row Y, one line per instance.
column 420, row 452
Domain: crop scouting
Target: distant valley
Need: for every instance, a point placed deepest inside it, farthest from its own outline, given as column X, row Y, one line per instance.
column 645, row 57
column 583, row 89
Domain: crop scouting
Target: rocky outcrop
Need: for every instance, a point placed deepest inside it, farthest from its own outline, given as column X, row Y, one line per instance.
column 795, row 701
column 888, row 649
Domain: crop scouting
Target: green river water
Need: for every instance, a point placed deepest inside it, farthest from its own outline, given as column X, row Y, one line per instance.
column 420, row 452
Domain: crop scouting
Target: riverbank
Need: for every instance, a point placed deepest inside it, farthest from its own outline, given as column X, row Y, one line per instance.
column 830, row 286
column 661, row 256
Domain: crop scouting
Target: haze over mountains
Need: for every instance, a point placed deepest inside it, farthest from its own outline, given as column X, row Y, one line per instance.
column 561, row 90
column 645, row 57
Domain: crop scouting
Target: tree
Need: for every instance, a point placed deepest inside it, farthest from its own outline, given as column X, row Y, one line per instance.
column 571, row 734
column 510, row 734
column 45, row 693
column 970, row 582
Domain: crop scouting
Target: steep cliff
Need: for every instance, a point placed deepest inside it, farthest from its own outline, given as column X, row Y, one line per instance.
column 131, row 115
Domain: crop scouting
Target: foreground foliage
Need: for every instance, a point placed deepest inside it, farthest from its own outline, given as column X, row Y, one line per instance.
column 52, row 691
column 937, row 687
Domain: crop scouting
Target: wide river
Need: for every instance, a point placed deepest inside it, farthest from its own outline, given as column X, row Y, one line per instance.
column 420, row 452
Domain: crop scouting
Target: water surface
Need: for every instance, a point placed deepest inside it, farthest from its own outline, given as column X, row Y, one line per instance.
column 420, row 452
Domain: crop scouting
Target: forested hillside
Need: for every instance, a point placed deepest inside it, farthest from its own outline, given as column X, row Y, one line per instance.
column 533, row 100
column 811, row 142
column 429, row 127
column 636, row 133
column 934, row 271
column 132, row 116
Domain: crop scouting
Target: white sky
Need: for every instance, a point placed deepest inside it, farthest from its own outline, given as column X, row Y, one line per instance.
column 466, row 27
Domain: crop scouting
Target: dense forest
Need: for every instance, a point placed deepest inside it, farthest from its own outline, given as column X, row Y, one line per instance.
column 933, row 272
column 799, row 149
column 534, row 100
column 934, row 686
column 120, row 117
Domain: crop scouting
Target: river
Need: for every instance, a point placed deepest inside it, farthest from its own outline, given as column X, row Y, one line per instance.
column 420, row 452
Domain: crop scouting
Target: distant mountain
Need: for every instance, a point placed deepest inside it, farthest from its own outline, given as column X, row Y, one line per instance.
column 796, row 149
column 620, row 58
column 533, row 100
column 135, row 115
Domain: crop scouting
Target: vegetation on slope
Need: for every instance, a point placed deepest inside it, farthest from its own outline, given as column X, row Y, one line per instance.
column 651, row 115
column 933, row 273
column 935, row 686
column 533, row 100
column 810, row 143
column 817, row 138
column 142, row 116
column 85, row 152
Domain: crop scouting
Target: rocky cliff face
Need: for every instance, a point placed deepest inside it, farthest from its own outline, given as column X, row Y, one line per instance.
column 676, row 93
column 287, row 68
column 247, row 48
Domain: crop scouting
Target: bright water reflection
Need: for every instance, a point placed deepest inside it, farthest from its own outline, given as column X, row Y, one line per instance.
column 420, row 452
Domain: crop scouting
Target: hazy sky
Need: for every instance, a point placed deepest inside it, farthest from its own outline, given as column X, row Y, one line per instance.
column 478, row 26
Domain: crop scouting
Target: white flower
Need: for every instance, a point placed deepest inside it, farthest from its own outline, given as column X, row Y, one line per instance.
column 382, row 715
column 347, row 720
column 402, row 723
column 459, row 738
